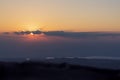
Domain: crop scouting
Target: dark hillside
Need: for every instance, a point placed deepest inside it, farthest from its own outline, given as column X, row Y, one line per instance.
column 51, row 71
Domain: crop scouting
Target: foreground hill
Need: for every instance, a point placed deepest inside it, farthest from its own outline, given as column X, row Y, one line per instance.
column 51, row 71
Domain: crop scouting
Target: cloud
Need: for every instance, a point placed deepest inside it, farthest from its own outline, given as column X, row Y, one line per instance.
column 27, row 32
column 6, row 33
column 72, row 34
column 82, row 34
column 59, row 44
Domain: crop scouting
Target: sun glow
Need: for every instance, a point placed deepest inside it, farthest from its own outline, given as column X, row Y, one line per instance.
column 35, row 37
column 30, row 27
column 31, row 33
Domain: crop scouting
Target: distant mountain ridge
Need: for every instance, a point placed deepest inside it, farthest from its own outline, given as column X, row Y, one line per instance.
column 111, row 63
column 100, row 62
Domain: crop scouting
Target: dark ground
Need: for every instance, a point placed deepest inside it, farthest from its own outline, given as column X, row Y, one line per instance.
column 50, row 71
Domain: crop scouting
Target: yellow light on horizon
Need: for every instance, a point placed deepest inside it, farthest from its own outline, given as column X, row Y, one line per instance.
column 30, row 27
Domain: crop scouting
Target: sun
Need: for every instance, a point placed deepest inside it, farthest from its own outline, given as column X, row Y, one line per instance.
column 31, row 34
column 34, row 38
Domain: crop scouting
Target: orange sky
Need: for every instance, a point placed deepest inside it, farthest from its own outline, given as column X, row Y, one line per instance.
column 68, row 15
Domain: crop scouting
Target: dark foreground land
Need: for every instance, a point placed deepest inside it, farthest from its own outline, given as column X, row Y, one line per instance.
column 50, row 71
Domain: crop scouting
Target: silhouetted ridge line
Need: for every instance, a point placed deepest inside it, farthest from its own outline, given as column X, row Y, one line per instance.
column 52, row 71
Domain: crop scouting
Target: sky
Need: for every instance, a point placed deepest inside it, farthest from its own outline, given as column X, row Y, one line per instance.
column 55, row 15
column 77, row 28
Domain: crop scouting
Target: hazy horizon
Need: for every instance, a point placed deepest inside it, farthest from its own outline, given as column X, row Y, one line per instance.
column 59, row 44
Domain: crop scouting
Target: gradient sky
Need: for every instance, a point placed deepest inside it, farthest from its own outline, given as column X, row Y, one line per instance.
column 69, row 15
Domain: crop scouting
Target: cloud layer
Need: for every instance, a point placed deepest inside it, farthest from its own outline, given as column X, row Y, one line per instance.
column 60, row 44
column 70, row 34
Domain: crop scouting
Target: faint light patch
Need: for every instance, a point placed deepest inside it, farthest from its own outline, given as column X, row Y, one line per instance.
column 28, row 59
column 50, row 58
